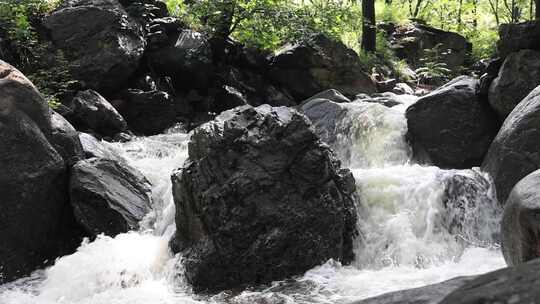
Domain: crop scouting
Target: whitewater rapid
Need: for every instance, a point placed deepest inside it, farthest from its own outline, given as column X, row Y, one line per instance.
column 402, row 242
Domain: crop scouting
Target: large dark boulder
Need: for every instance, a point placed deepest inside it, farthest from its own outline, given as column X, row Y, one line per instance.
column 66, row 139
column 515, row 152
column 519, row 36
column 108, row 196
column 189, row 60
column 260, row 198
column 102, row 42
column 521, row 221
column 317, row 64
column 452, row 125
column 149, row 112
column 509, row 285
column 34, row 205
column 410, row 42
column 88, row 110
column 518, row 76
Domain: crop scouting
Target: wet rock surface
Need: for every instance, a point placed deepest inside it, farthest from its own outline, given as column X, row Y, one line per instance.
column 521, row 221
column 260, row 199
column 514, row 151
column 452, row 125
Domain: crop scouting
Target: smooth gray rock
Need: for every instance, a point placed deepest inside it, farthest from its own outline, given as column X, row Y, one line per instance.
column 515, row 152
column 35, row 214
column 518, row 76
column 108, row 196
column 509, row 285
column 431, row 294
column 452, row 125
column 260, row 198
column 66, row 139
column 521, row 221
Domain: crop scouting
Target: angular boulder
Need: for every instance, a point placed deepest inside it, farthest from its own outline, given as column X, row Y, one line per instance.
column 35, row 216
column 518, row 76
column 108, row 196
column 515, row 151
column 189, row 60
column 410, row 41
column 102, row 42
column 260, row 199
column 317, row 64
column 452, row 126
column 521, row 221
column 149, row 112
column 518, row 36
column 88, row 110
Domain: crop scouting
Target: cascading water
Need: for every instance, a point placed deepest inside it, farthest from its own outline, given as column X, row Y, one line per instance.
column 414, row 231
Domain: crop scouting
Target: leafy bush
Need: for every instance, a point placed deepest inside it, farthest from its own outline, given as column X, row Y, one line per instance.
column 45, row 66
column 433, row 71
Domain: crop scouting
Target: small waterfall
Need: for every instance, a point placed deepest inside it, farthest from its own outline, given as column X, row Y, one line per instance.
column 419, row 225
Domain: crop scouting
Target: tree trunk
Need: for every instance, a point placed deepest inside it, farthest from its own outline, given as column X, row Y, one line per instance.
column 369, row 31
column 537, row 6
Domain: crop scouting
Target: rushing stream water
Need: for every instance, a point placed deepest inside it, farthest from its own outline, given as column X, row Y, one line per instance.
column 404, row 243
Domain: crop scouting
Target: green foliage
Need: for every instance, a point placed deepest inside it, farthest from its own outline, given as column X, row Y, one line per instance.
column 45, row 66
column 433, row 71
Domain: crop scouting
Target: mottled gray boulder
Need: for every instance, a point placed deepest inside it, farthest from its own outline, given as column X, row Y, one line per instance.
column 519, row 36
column 332, row 95
column 88, row 110
column 410, row 41
column 431, row 294
column 260, row 198
column 452, row 125
column 102, row 42
column 66, row 139
column 509, row 285
column 518, row 76
column 33, row 181
column 515, row 152
column 108, row 196
column 521, row 221
column 148, row 113
column 317, row 64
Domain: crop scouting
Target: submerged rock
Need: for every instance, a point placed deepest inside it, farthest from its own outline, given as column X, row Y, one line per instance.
column 431, row 294
column 452, row 126
column 260, row 199
column 509, row 285
column 521, row 221
column 108, row 196
column 515, row 151
column 317, row 64
column 102, row 42
column 518, row 76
